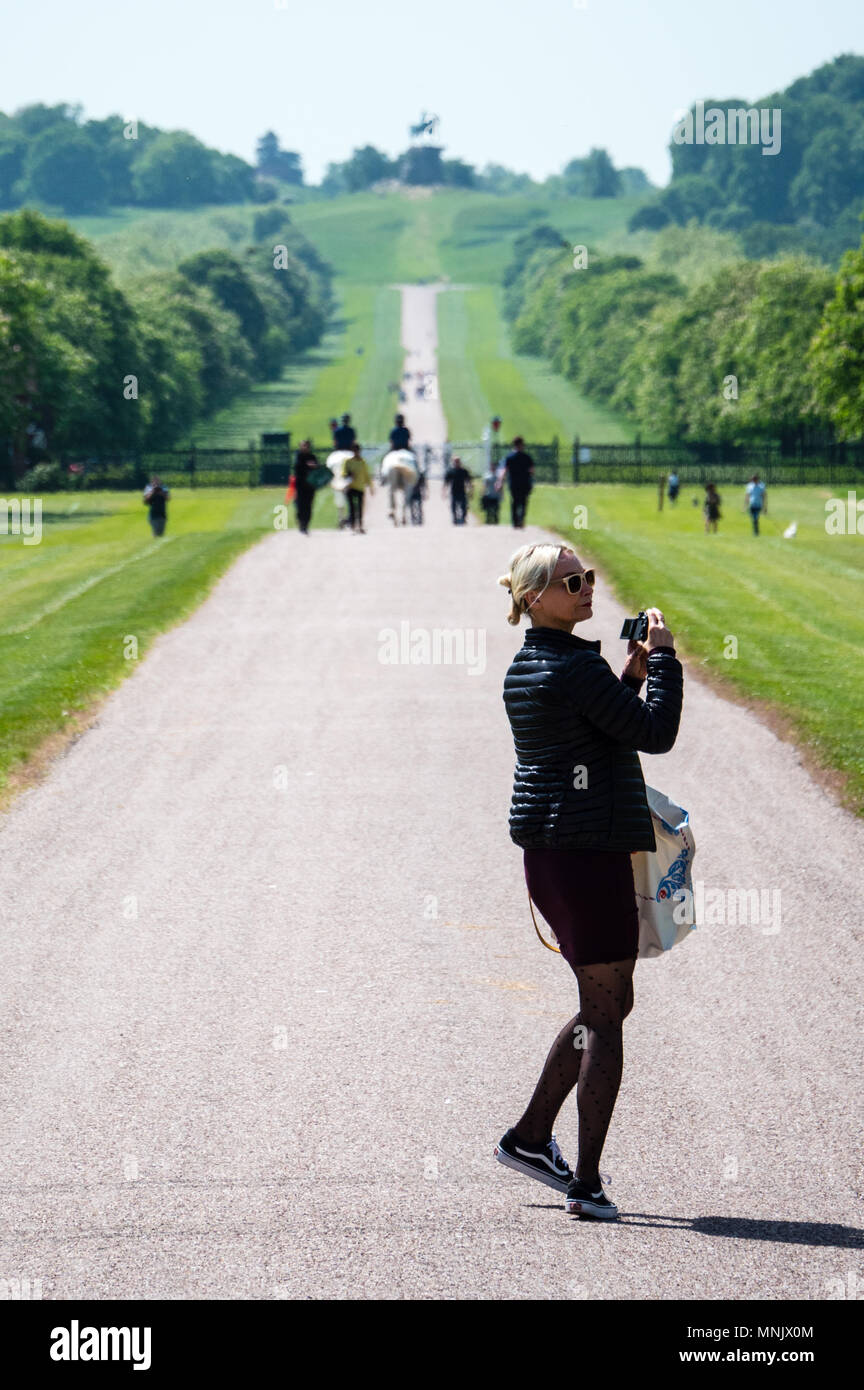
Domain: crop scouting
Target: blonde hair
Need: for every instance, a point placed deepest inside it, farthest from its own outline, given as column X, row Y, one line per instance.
column 531, row 567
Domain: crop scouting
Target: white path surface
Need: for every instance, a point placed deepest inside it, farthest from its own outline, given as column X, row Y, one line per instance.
column 424, row 417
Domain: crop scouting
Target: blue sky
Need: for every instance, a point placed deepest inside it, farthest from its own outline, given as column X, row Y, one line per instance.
column 526, row 83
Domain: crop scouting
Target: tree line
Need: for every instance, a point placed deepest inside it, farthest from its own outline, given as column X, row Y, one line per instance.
column 754, row 351
column 592, row 176
column 85, row 366
column 806, row 196
column 51, row 158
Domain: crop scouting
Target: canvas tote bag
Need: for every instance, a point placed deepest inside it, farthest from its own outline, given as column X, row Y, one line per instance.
column 662, row 880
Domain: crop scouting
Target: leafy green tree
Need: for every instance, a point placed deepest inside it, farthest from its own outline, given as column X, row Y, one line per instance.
column 649, row 218
column 459, row 174
column 603, row 318
column 93, row 320
column 33, row 120
column 175, row 316
column 334, row 183
column 176, row 170
column 633, row 180
column 233, row 178
column 525, row 267
column 63, row 168
column 601, row 177
column 777, row 397
column 13, row 149
column 730, row 362
column 594, row 176
column 831, row 173
column 495, row 178
column 692, row 195
column 231, row 286
column 422, row 165
column 365, row 167
column 277, row 163
column 837, row 354
column 35, row 365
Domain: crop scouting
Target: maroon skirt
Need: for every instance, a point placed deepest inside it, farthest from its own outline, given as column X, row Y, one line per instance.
column 588, row 899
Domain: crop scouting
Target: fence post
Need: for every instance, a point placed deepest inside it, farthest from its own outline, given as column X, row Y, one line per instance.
column 575, row 459
column 555, row 456
column 253, row 476
column 192, row 462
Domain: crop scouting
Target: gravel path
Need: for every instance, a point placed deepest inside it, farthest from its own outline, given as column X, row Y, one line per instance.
column 424, row 417
column 271, row 990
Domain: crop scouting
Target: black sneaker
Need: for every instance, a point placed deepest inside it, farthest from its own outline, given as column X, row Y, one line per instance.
column 541, row 1161
column 584, row 1200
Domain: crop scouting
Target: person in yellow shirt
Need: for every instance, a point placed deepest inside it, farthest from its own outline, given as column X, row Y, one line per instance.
column 357, row 469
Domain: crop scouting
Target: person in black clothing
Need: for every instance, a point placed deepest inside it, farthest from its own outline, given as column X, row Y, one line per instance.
column 416, row 495
column 579, row 810
column 155, row 497
column 303, row 465
column 400, row 435
column 457, row 478
column 345, row 436
column 519, row 468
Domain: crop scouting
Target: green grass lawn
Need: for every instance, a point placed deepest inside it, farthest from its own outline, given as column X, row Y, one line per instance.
column 480, row 376
column 99, row 575
column 793, row 605
column 375, row 241
column 355, row 378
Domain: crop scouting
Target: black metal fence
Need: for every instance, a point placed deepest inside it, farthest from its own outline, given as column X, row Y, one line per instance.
column 270, row 462
column 699, row 462
column 256, row 466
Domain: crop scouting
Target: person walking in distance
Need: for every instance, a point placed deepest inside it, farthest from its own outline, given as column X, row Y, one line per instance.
column 519, row 471
column 303, row 465
column 357, row 469
column 416, row 495
column 400, row 435
column 491, row 498
column 345, row 435
column 155, row 497
column 756, row 502
column 674, row 487
column 579, row 810
column 458, row 479
column 711, row 507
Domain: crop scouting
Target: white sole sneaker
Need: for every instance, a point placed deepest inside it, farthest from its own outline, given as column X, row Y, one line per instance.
column 584, row 1206
column 536, row 1169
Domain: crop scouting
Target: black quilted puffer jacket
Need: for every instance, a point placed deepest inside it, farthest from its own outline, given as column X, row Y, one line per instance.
column 574, row 721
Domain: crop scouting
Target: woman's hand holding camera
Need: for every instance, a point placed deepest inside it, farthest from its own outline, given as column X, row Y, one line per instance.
column 637, row 652
column 658, row 633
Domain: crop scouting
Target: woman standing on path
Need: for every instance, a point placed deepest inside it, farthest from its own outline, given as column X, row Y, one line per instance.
column 579, row 810
column 357, row 470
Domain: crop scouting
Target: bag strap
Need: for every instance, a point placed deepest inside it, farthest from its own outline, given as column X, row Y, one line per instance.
column 537, row 929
